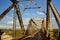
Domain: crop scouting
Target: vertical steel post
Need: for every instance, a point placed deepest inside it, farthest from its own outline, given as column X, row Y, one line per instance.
column 14, row 23
column 48, row 20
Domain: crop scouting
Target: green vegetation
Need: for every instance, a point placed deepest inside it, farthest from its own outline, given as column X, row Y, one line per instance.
column 19, row 33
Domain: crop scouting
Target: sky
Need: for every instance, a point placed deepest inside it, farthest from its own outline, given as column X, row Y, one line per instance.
column 7, row 21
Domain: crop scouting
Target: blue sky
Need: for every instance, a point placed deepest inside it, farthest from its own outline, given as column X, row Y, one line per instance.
column 29, row 13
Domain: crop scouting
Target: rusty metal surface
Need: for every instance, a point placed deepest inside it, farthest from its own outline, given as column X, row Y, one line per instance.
column 5, row 12
column 20, row 18
column 29, row 24
column 56, row 14
column 35, row 35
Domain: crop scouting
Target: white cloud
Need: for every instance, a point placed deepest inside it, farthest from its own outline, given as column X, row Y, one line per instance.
column 10, row 22
column 26, row 20
column 37, row 20
column 28, row 14
column 40, row 13
column 0, row 26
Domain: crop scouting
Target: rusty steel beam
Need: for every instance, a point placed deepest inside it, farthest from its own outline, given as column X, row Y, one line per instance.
column 48, row 15
column 20, row 18
column 29, row 24
column 56, row 14
column 43, row 25
column 48, row 19
column 28, row 28
column 6, row 11
column 15, row 2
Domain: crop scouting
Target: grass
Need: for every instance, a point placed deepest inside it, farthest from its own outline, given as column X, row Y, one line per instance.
column 19, row 33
